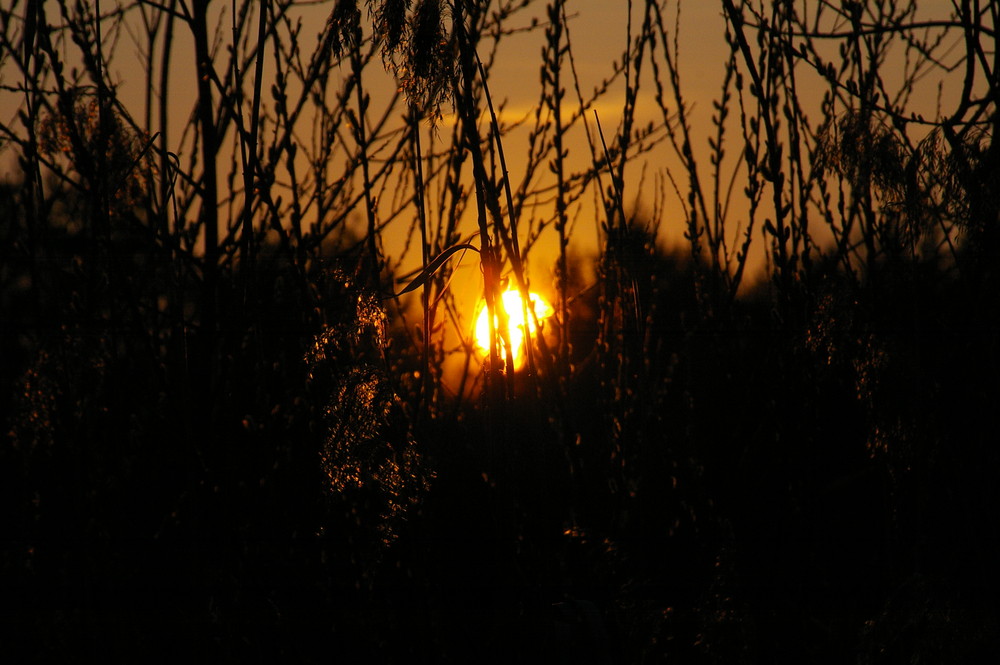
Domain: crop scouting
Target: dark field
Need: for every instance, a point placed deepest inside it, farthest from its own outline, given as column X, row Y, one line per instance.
column 243, row 419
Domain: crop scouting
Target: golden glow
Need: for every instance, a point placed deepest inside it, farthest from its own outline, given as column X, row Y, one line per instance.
column 511, row 300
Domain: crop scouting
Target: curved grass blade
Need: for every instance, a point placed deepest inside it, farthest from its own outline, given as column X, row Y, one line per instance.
column 432, row 267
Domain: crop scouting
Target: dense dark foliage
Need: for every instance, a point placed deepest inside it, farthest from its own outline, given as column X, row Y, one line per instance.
column 235, row 447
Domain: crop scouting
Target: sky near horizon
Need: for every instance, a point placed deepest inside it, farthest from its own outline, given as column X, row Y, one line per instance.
column 598, row 29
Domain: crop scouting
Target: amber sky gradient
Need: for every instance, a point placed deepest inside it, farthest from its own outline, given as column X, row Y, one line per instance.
column 598, row 30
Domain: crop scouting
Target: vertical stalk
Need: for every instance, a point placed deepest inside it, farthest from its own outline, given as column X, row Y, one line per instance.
column 34, row 22
column 209, row 216
column 509, row 242
column 362, row 141
column 165, row 180
column 556, row 11
column 773, row 146
column 99, row 182
column 488, row 255
column 425, row 249
column 250, row 166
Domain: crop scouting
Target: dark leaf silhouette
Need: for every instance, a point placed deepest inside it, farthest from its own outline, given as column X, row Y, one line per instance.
column 434, row 265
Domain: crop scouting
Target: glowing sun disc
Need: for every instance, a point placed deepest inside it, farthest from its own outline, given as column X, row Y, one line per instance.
column 511, row 300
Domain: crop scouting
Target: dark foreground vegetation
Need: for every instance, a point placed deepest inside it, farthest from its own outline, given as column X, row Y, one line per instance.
column 225, row 438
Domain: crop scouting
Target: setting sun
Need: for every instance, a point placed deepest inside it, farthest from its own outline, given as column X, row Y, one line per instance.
column 511, row 300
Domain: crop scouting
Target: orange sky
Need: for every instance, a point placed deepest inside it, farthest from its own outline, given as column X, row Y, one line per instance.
column 598, row 30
